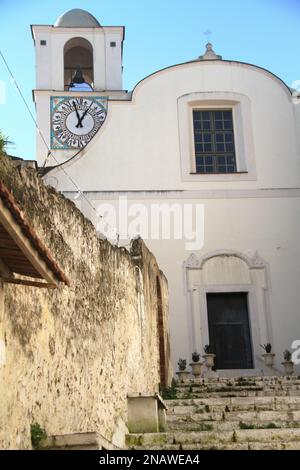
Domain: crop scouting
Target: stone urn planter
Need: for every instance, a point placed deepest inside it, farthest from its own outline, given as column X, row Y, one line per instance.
column 183, row 376
column 196, row 365
column 288, row 363
column 288, row 367
column 196, row 369
column 209, row 360
column 269, row 359
column 268, row 355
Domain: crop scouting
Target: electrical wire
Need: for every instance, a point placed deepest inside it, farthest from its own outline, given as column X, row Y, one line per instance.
column 49, row 152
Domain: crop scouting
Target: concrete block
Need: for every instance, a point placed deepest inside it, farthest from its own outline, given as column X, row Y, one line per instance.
column 146, row 414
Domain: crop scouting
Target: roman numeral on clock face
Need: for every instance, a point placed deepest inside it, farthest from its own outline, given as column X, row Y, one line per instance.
column 75, row 120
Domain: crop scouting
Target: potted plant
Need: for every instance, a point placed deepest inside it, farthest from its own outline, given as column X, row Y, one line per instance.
column 288, row 363
column 196, row 356
column 183, row 374
column 209, row 356
column 268, row 356
column 196, row 364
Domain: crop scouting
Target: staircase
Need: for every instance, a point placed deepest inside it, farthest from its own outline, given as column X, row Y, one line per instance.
column 242, row 413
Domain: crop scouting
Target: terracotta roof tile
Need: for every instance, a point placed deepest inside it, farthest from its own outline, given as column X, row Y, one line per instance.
column 12, row 205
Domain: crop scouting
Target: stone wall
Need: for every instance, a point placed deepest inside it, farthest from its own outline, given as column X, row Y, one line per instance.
column 74, row 353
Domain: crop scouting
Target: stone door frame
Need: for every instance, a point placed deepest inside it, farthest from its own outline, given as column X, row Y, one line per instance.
column 258, row 303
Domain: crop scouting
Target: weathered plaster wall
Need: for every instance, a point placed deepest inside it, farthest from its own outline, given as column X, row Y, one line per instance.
column 73, row 354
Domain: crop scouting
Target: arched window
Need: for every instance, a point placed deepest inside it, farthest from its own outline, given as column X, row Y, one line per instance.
column 78, row 65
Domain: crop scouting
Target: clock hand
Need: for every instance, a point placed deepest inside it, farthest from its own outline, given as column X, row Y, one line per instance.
column 77, row 114
column 84, row 114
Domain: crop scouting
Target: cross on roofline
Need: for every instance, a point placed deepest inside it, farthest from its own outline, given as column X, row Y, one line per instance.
column 208, row 33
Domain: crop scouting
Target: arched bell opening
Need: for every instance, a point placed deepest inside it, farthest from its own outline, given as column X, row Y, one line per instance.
column 78, row 65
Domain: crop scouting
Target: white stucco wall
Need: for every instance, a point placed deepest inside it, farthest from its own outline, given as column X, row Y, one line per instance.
column 50, row 57
column 265, row 226
column 146, row 130
column 139, row 149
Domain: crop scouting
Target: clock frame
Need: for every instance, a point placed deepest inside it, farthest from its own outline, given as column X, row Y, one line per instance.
column 75, row 120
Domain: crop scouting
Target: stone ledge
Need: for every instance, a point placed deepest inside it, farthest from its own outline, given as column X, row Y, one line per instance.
column 86, row 440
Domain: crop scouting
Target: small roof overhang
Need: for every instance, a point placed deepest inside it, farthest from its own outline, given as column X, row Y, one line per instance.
column 21, row 250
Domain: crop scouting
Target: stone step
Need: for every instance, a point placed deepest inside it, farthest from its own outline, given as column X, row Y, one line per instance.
column 240, row 381
column 211, row 439
column 237, row 413
column 242, row 413
column 293, row 445
column 217, row 388
column 171, row 447
column 238, row 446
column 237, row 395
column 233, row 373
column 229, row 425
column 281, row 445
column 238, row 386
column 227, row 404
column 77, row 441
column 240, row 393
column 245, row 416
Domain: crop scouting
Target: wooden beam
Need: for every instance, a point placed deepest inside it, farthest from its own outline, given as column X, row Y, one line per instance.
column 4, row 270
column 25, row 246
column 26, row 282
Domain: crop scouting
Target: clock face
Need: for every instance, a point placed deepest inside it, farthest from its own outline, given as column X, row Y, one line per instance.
column 75, row 120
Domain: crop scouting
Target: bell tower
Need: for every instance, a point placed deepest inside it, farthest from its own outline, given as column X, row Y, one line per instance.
column 78, row 63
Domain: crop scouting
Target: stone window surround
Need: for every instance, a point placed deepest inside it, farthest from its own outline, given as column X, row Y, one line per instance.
column 243, row 134
column 258, row 305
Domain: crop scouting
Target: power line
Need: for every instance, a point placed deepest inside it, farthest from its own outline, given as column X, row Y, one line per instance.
column 49, row 150
column 24, row 101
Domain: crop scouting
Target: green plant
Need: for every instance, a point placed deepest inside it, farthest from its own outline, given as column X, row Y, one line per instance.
column 169, row 393
column 267, row 347
column 181, row 364
column 271, row 426
column 205, row 427
column 3, row 142
column 243, row 425
column 37, row 434
column 287, row 355
column 188, row 395
column 196, row 356
column 208, row 349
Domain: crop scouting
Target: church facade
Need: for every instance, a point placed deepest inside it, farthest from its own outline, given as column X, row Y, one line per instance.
column 203, row 160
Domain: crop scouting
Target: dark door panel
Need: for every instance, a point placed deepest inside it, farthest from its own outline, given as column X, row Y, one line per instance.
column 229, row 331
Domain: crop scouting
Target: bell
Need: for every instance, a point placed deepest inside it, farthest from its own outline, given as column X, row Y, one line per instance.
column 78, row 83
column 78, row 77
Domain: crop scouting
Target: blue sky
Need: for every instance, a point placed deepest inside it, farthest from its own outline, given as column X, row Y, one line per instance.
column 158, row 33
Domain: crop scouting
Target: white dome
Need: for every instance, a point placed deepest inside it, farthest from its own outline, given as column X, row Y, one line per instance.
column 77, row 18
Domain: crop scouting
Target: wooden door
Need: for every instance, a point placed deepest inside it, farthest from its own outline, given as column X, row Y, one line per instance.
column 229, row 331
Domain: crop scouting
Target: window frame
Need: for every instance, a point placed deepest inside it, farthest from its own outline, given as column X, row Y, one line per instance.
column 243, row 134
column 214, row 154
